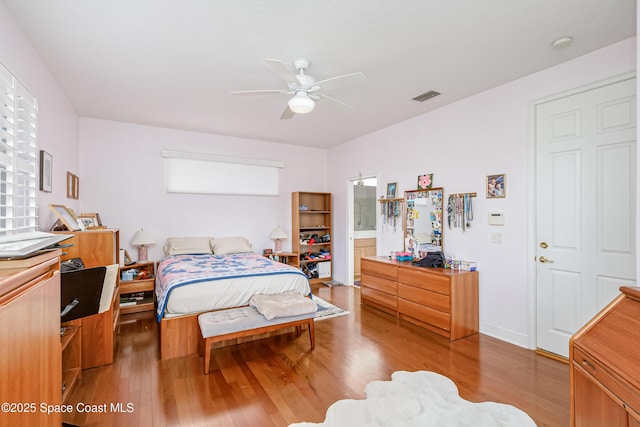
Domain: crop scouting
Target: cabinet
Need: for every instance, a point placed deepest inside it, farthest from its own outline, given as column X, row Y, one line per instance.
column 95, row 247
column 137, row 288
column 312, row 234
column 70, row 342
column 30, row 357
column 604, row 369
column 98, row 332
column 440, row 300
column 362, row 248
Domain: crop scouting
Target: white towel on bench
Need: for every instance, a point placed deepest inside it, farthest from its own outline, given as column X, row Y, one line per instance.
column 283, row 305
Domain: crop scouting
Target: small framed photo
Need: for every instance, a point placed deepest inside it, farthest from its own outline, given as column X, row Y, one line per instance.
column 392, row 190
column 90, row 220
column 94, row 216
column 425, row 181
column 46, row 171
column 496, row 186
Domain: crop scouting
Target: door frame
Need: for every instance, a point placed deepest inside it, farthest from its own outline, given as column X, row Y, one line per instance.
column 351, row 226
column 531, row 188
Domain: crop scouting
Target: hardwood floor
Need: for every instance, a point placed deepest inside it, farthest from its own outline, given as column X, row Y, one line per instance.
column 278, row 381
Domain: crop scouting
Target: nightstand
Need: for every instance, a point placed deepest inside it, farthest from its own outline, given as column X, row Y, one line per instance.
column 137, row 283
column 289, row 258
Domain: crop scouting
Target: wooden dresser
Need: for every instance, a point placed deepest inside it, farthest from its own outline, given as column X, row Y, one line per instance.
column 441, row 300
column 30, row 350
column 605, row 366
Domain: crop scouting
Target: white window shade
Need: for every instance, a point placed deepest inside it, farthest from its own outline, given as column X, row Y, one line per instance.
column 18, row 160
column 202, row 173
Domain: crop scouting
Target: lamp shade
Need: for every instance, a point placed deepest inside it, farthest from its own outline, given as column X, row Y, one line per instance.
column 301, row 103
column 142, row 238
column 278, row 233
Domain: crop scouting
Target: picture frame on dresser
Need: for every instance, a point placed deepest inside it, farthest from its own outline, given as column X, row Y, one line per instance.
column 66, row 216
column 90, row 220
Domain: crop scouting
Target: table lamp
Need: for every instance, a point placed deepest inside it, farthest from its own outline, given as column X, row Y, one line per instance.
column 142, row 239
column 278, row 234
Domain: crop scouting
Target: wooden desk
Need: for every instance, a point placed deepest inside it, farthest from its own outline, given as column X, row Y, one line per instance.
column 605, row 372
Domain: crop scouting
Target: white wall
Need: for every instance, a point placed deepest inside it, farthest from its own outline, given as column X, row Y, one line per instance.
column 122, row 177
column 461, row 144
column 57, row 120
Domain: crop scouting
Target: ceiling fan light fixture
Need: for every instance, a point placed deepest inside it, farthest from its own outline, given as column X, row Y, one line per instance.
column 301, row 103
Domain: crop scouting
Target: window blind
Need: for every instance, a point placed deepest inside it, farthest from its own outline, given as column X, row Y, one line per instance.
column 18, row 160
column 203, row 173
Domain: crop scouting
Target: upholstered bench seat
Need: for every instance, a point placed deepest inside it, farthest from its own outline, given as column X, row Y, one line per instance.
column 241, row 322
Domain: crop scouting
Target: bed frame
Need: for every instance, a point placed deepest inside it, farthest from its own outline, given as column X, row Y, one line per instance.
column 180, row 336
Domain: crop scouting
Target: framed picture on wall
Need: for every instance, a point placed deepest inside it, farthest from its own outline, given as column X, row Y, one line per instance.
column 496, row 186
column 425, row 181
column 73, row 186
column 46, row 171
column 392, row 190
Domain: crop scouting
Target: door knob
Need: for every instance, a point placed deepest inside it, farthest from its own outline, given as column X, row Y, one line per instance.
column 545, row 259
column 544, row 245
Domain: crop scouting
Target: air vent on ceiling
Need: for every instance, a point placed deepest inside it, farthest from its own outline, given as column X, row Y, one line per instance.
column 427, row 95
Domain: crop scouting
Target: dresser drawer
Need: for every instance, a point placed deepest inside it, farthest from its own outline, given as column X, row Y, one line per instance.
column 380, row 269
column 425, row 280
column 612, row 382
column 434, row 300
column 379, row 283
column 424, row 314
column 379, row 298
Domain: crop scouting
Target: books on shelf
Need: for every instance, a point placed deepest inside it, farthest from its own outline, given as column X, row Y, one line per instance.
column 126, row 303
column 131, row 299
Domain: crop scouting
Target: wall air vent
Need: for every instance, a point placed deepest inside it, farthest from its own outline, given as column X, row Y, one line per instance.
column 427, row 95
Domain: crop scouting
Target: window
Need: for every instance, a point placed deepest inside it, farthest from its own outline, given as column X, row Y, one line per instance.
column 18, row 160
column 202, row 173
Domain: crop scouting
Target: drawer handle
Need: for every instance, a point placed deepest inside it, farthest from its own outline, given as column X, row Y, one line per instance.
column 588, row 365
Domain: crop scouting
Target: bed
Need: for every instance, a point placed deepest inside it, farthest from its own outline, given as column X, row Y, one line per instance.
column 204, row 274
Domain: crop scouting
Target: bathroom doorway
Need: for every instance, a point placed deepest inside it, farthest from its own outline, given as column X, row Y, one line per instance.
column 364, row 222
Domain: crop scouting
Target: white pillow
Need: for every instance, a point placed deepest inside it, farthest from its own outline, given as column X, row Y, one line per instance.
column 187, row 245
column 230, row 245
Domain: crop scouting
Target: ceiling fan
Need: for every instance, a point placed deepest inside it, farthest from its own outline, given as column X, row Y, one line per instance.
column 305, row 89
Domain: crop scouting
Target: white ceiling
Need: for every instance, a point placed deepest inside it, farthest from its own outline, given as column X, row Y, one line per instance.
column 173, row 63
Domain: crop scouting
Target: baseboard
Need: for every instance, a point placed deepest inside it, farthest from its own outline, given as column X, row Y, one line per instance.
column 516, row 338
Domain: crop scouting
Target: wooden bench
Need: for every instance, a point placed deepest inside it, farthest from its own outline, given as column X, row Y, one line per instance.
column 241, row 322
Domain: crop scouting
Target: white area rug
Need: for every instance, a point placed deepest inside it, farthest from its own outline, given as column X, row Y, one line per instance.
column 327, row 310
column 423, row 399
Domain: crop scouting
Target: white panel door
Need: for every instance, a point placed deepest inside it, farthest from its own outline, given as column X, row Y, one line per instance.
column 586, row 191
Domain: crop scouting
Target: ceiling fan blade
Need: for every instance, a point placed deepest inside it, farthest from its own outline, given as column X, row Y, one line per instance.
column 287, row 113
column 335, row 102
column 341, row 81
column 282, row 71
column 259, row 92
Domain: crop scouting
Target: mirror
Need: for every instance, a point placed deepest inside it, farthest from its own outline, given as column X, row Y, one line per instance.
column 423, row 226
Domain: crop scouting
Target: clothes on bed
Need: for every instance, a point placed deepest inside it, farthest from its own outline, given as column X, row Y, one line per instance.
column 187, row 284
column 283, row 305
